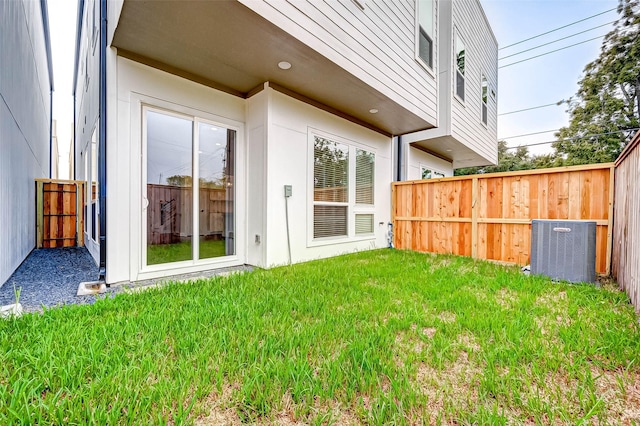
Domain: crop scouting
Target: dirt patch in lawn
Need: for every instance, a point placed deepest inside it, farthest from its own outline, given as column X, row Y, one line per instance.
column 217, row 408
column 455, row 385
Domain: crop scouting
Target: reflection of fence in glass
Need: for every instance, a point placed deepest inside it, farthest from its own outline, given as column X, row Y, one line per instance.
column 170, row 213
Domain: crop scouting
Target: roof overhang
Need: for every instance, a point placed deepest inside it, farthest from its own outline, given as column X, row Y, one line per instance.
column 447, row 148
column 225, row 45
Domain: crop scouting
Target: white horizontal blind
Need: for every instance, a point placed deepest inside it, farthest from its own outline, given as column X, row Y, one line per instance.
column 329, row 221
column 330, row 188
column 364, row 224
column 365, row 162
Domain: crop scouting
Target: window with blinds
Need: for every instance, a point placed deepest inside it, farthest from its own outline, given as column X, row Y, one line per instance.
column 364, row 224
column 343, row 189
column 365, row 162
column 330, row 188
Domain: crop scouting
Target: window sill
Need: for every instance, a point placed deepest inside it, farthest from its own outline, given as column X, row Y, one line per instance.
column 328, row 241
column 431, row 71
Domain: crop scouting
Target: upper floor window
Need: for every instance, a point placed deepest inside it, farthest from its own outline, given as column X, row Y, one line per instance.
column 485, row 93
column 460, row 56
column 425, row 31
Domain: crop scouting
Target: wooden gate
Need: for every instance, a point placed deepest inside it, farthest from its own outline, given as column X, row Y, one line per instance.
column 59, row 213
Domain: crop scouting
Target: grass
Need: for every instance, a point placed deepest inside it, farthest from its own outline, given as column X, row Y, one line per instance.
column 165, row 253
column 380, row 337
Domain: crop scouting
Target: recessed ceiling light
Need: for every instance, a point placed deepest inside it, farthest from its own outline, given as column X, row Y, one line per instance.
column 449, row 150
column 373, row 111
column 284, row 65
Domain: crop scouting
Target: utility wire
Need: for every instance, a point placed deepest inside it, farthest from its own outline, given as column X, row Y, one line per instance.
column 529, row 134
column 556, row 29
column 555, row 41
column 552, row 51
column 575, row 138
column 560, row 102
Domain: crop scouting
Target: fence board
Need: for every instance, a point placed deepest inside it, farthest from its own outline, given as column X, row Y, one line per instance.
column 57, row 219
column 489, row 216
column 626, row 229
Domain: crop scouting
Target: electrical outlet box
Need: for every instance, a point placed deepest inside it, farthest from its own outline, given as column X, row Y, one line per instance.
column 287, row 191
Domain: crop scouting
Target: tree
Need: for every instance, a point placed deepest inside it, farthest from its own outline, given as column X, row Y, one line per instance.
column 608, row 101
column 508, row 160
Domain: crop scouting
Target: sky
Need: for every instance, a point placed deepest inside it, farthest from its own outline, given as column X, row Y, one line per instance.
column 540, row 81
column 549, row 78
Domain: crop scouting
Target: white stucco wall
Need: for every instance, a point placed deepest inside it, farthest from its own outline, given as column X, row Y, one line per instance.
column 139, row 85
column 290, row 162
column 24, row 127
column 274, row 148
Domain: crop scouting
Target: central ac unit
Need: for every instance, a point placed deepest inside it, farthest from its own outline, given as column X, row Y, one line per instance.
column 564, row 249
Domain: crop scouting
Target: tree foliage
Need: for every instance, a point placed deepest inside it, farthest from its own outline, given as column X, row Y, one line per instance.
column 608, row 98
column 512, row 160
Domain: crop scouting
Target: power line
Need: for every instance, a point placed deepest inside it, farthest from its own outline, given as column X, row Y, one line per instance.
column 575, row 138
column 552, row 51
column 555, row 41
column 556, row 29
column 560, row 102
column 529, row 134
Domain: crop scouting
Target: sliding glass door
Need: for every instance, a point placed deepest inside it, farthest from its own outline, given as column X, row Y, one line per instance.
column 187, row 221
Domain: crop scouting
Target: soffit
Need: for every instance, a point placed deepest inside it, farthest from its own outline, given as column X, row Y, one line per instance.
column 236, row 50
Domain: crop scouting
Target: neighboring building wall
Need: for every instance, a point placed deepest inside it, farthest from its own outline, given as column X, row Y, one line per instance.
column 25, row 117
column 86, row 116
column 377, row 44
column 481, row 57
column 417, row 160
column 292, row 125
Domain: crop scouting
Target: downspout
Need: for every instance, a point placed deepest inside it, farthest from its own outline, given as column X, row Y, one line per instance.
column 102, row 149
column 51, row 134
column 399, row 160
column 74, row 137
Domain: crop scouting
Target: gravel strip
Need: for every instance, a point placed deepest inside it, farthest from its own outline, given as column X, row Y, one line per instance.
column 50, row 278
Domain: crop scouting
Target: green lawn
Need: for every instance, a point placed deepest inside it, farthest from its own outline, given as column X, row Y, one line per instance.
column 381, row 337
column 165, row 253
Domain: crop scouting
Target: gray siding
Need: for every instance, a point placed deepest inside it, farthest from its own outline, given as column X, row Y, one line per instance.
column 376, row 44
column 481, row 57
column 25, row 115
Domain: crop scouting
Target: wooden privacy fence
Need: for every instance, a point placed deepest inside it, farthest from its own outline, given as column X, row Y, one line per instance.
column 489, row 216
column 626, row 230
column 59, row 218
column 170, row 213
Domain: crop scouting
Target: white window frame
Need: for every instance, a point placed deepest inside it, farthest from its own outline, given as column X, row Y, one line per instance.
column 352, row 207
column 424, row 167
column 484, row 102
column 456, row 36
column 196, row 117
column 431, row 69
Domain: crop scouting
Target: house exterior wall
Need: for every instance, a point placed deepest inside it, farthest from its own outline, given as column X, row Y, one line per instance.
column 292, row 125
column 418, row 159
column 481, row 58
column 25, row 116
column 275, row 131
column 137, row 86
column 460, row 125
column 377, row 44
